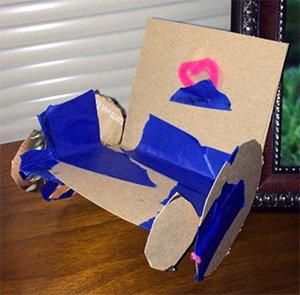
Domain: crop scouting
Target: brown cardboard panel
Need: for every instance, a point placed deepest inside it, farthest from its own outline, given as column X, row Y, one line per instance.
column 172, row 233
column 111, row 120
column 247, row 165
column 250, row 73
column 132, row 202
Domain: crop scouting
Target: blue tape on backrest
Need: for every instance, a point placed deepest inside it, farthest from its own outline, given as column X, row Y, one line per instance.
column 72, row 135
column 178, row 155
column 215, row 225
column 202, row 94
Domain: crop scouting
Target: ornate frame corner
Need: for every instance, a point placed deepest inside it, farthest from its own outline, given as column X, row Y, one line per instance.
column 279, row 187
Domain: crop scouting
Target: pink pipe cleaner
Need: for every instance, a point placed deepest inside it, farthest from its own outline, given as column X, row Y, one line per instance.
column 195, row 67
column 196, row 258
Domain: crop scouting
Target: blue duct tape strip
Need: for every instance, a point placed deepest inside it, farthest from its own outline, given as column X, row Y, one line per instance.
column 148, row 223
column 67, row 194
column 218, row 220
column 178, row 155
column 194, row 197
column 232, row 156
column 72, row 135
column 49, row 188
column 111, row 163
column 71, row 127
column 38, row 162
column 202, row 94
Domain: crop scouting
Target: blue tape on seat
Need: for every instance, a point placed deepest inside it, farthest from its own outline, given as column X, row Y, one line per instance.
column 38, row 162
column 67, row 194
column 202, row 94
column 178, row 155
column 194, row 197
column 218, row 220
column 147, row 224
column 72, row 134
column 49, row 188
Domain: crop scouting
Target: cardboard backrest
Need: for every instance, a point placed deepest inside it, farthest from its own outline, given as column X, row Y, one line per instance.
column 250, row 72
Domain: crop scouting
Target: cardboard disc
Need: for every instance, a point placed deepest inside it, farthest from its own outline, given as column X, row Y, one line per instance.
column 172, row 233
column 247, row 166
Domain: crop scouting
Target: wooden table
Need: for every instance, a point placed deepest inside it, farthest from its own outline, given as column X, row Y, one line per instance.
column 74, row 247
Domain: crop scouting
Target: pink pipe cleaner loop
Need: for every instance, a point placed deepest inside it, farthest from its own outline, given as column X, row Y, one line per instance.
column 195, row 67
column 196, row 258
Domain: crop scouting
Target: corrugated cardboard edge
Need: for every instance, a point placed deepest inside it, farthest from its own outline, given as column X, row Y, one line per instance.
column 111, row 118
column 26, row 145
column 247, row 166
column 172, row 233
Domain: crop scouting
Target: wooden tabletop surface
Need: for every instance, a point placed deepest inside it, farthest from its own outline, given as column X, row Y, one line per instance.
column 74, row 247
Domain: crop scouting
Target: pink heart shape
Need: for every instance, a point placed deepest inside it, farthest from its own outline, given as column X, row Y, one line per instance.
column 195, row 67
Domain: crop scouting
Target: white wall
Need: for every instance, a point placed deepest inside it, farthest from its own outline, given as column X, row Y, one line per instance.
column 55, row 49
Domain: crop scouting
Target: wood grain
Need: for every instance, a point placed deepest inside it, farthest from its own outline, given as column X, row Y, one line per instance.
column 74, row 247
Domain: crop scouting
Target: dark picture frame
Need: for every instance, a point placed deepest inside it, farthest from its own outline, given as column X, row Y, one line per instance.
column 279, row 187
